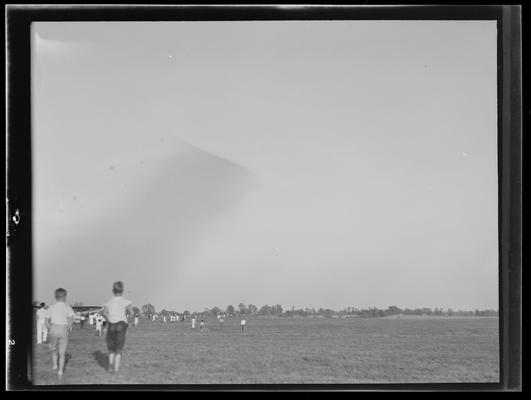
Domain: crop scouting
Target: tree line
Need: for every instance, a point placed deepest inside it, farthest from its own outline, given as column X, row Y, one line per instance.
column 148, row 310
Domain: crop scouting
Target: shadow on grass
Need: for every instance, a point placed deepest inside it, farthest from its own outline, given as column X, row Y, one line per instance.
column 68, row 356
column 102, row 359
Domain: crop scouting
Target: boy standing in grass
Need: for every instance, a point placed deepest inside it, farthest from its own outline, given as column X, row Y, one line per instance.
column 99, row 322
column 59, row 322
column 117, row 312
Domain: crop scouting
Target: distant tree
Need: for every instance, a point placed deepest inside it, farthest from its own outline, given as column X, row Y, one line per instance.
column 165, row 313
column 277, row 310
column 252, row 309
column 136, row 311
column 78, row 304
column 302, row 312
column 230, row 310
column 215, row 311
column 264, row 310
column 242, row 309
column 148, row 310
column 394, row 310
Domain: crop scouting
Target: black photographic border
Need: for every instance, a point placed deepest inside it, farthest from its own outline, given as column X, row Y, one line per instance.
column 19, row 172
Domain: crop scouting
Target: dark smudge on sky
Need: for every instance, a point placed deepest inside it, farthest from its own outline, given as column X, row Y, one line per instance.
column 139, row 240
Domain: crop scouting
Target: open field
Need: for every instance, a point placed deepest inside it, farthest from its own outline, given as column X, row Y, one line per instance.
column 281, row 350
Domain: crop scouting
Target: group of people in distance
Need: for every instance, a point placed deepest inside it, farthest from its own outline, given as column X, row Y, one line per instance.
column 55, row 324
column 221, row 320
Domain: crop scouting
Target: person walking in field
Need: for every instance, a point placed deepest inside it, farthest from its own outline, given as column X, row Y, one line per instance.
column 117, row 311
column 193, row 322
column 136, row 321
column 60, row 319
column 221, row 321
column 202, row 325
column 42, row 330
column 243, row 323
column 99, row 324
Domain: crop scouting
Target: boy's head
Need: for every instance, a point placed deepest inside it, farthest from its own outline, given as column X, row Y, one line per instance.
column 118, row 288
column 60, row 294
column 43, row 305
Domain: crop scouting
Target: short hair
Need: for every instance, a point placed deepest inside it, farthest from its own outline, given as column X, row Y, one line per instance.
column 60, row 293
column 118, row 287
column 43, row 304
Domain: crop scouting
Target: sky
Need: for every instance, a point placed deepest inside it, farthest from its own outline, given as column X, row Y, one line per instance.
column 304, row 163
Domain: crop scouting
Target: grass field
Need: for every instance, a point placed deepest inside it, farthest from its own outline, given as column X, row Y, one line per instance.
column 281, row 350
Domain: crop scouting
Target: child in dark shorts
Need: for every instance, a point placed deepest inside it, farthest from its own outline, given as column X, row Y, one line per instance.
column 116, row 337
column 117, row 312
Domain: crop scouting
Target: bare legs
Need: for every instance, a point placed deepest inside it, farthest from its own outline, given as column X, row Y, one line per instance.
column 61, row 363
column 58, row 358
column 114, row 359
column 117, row 362
column 55, row 356
column 111, row 361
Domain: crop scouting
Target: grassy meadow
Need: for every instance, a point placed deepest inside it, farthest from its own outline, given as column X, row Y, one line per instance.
column 285, row 350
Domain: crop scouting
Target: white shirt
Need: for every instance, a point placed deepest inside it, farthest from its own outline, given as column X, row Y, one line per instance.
column 59, row 313
column 116, row 309
column 42, row 313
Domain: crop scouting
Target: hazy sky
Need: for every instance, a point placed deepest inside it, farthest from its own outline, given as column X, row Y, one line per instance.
column 305, row 163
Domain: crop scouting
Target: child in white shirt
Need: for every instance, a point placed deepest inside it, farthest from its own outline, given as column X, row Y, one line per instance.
column 42, row 330
column 60, row 319
column 117, row 312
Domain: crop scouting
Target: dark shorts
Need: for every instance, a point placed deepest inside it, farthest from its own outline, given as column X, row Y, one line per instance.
column 116, row 336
